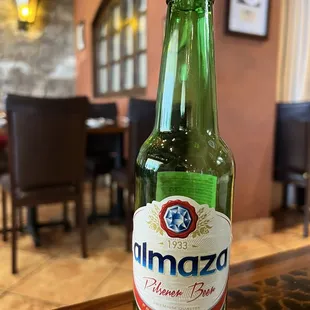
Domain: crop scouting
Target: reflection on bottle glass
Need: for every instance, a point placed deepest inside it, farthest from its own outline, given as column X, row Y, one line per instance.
column 184, row 175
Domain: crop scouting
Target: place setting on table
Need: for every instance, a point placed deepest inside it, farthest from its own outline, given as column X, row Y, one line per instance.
column 99, row 122
column 102, row 125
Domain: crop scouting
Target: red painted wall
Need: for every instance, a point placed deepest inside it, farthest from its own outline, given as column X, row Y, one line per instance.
column 246, row 75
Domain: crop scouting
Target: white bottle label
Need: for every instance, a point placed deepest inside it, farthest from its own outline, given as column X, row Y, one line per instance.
column 180, row 255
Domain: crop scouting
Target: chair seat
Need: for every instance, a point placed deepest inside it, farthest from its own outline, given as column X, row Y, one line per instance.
column 120, row 176
column 41, row 195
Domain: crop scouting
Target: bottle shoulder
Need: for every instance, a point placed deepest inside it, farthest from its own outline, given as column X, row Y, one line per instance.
column 185, row 151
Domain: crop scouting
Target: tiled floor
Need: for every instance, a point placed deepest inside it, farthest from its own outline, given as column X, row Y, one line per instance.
column 55, row 275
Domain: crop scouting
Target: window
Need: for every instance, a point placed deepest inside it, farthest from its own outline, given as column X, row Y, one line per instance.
column 120, row 36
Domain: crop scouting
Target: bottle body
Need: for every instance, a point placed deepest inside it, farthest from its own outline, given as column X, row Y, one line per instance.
column 184, row 177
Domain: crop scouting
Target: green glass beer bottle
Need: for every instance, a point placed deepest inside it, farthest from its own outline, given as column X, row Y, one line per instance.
column 184, row 176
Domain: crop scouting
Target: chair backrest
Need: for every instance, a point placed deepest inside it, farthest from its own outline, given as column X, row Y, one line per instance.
column 141, row 114
column 46, row 141
column 284, row 114
column 106, row 110
column 98, row 145
column 295, row 148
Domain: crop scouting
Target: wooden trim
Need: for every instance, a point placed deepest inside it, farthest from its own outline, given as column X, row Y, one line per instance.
column 121, row 60
column 269, row 260
column 269, row 266
column 105, row 10
column 110, row 302
column 136, row 91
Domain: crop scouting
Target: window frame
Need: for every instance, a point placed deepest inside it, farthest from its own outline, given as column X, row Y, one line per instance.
column 106, row 8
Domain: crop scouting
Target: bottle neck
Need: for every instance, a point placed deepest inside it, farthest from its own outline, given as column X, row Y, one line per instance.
column 187, row 88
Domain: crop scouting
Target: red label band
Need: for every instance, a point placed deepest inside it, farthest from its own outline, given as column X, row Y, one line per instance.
column 143, row 305
column 221, row 302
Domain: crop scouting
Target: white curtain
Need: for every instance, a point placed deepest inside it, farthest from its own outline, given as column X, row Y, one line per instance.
column 294, row 52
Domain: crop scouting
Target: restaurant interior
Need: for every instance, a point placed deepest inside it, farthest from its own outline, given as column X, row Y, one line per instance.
column 99, row 60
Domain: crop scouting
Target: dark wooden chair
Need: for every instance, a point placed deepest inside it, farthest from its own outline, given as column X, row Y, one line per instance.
column 46, row 157
column 296, row 160
column 284, row 113
column 141, row 116
column 100, row 151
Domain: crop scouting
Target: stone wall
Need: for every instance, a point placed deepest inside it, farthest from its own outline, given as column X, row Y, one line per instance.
column 40, row 61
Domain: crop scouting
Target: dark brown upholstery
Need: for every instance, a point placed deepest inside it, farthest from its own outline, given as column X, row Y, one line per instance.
column 284, row 113
column 292, row 154
column 46, row 156
column 141, row 114
column 296, row 160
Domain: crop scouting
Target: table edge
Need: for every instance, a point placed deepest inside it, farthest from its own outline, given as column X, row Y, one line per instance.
column 125, row 298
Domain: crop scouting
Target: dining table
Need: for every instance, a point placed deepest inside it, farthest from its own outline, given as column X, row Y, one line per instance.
column 276, row 282
column 118, row 130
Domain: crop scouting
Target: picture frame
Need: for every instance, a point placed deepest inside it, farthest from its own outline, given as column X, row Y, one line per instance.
column 248, row 18
column 80, row 36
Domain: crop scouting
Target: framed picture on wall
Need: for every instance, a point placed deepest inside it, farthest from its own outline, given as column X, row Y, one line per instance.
column 80, row 36
column 248, row 18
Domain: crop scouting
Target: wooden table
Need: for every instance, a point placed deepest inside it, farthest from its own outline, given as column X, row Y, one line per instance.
column 280, row 281
column 118, row 130
column 109, row 129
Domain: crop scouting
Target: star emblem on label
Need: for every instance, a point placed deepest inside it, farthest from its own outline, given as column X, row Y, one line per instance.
column 178, row 218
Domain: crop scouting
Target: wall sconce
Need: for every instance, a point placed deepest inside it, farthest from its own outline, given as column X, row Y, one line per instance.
column 27, row 12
